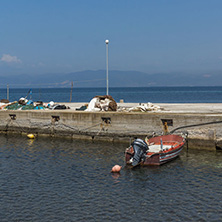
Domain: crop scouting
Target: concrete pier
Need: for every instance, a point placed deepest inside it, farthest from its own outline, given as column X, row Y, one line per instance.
column 202, row 123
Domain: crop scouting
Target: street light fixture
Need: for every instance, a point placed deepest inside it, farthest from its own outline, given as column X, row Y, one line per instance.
column 107, row 72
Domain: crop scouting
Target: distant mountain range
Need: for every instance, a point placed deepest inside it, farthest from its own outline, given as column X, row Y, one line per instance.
column 91, row 78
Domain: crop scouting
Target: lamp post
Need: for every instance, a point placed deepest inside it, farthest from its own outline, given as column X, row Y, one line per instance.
column 107, row 72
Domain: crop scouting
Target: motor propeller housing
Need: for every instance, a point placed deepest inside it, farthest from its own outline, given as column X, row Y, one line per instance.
column 140, row 149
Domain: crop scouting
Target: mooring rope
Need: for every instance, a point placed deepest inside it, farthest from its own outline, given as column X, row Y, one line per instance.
column 80, row 130
column 125, row 132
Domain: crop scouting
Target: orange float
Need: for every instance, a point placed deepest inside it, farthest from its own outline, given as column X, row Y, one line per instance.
column 116, row 169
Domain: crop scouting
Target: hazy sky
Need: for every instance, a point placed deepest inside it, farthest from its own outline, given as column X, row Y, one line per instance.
column 62, row 36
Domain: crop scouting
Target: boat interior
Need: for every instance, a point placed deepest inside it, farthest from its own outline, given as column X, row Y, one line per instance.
column 155, row 148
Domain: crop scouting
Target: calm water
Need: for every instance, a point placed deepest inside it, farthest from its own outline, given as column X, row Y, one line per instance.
column 136, row 95
column 67, row 180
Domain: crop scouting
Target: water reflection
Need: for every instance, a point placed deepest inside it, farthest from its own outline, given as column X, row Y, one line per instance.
column 72, row 178
column 116, row 176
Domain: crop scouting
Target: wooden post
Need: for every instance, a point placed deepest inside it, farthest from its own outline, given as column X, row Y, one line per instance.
column 71, row 92
column 7, row 92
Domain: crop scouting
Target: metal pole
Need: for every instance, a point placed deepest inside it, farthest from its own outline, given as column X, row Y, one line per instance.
column 7, row 92
column 107, row 71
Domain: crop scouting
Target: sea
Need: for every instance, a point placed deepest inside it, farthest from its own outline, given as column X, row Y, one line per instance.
column 56, row 179
column 128, row 94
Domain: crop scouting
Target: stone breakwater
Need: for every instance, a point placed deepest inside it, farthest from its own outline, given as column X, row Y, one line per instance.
column 201, row 122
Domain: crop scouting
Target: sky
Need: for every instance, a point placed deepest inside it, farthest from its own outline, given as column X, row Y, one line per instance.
column 151, row 36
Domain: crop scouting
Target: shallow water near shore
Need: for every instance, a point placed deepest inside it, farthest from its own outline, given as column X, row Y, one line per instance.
column 68, row 180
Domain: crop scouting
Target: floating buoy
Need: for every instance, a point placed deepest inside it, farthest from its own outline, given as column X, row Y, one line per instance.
column 116, row 169
column 31, row 136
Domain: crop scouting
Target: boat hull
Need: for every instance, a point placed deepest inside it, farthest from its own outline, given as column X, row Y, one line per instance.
column 173, row 142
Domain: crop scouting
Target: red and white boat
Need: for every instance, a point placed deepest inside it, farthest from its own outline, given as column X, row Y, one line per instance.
column 156, row 151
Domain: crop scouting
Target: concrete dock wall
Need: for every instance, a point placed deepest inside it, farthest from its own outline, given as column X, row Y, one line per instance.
column 204, row 129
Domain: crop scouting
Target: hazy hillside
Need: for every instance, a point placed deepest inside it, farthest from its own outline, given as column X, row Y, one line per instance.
column 117, row 78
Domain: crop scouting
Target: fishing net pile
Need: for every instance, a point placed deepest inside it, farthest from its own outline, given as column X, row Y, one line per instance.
column 18, row 106
column 102, row 103
column 146, row 107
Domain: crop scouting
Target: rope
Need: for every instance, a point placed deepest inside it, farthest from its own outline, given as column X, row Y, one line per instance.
column 90, row 127
column 80, row 130
column 85, row 129
column 70, row 127
column 20, row 127
column 125, row 132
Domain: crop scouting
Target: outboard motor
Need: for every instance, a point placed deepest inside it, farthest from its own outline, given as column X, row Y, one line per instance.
column 140, row 148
